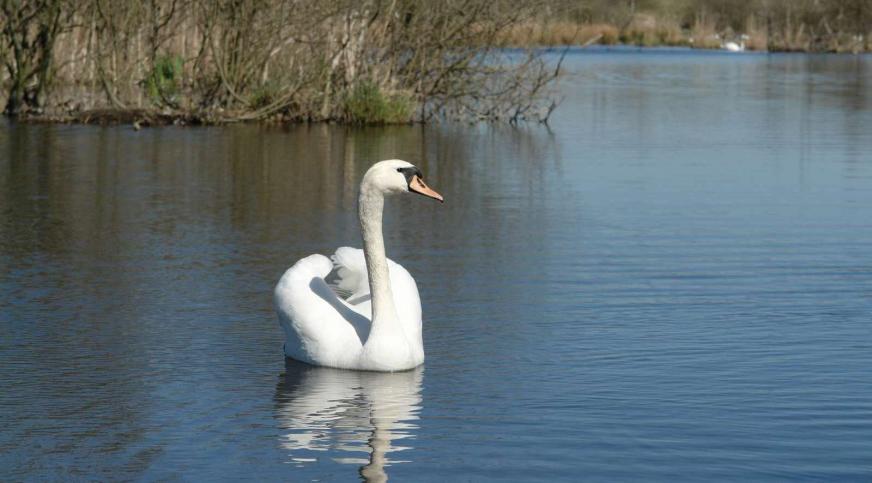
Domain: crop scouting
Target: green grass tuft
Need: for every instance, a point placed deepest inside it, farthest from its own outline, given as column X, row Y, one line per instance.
column 367, row 104
column 164, row 82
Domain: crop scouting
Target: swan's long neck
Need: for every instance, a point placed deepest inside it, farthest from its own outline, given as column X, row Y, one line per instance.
column 370, row 208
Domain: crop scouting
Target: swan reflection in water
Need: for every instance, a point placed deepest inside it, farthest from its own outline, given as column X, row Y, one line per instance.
column 346, row 414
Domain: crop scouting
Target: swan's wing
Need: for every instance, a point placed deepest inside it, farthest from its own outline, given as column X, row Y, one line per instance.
column 349, row 277
column 319, row 327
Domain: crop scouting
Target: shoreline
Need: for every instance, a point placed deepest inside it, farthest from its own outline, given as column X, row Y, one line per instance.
column 90, row 63
column 688, row 44
column 142, row 118
column 139, row 118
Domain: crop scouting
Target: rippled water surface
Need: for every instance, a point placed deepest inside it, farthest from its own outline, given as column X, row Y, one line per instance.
column 674, row 282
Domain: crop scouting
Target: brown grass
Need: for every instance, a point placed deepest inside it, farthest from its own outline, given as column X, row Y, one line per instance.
column 794, row 25
column 704, row 33
column 558, row 33
column 644, row 30
column 647, row 30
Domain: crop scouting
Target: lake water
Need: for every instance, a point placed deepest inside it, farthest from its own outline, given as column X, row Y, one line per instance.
column 673, row 282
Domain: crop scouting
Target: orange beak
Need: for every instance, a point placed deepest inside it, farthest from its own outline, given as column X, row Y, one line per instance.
column 418, row 186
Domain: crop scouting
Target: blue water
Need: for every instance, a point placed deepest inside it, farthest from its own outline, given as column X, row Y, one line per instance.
column 671, row 282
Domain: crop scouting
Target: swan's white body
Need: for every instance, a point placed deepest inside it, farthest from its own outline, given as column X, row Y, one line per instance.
column 324, row 329
column 377, row 326
column 735, row 47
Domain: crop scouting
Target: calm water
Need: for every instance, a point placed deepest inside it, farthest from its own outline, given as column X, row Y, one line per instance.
column 673, row 283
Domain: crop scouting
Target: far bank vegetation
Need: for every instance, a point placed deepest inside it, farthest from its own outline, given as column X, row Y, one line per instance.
column 356, row 61
column 773, row 25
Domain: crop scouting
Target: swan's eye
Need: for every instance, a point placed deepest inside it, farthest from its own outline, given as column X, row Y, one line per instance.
column 399, row 170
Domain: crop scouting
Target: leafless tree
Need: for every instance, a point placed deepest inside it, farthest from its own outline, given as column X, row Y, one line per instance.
column 30, row 31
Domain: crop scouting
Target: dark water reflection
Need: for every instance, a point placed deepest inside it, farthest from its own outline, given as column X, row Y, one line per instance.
column 674, row 282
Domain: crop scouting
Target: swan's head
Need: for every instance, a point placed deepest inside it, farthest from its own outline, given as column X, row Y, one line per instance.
column 397, row 176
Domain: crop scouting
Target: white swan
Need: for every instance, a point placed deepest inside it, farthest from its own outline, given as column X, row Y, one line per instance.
column 376, row 322
column 735, row 47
